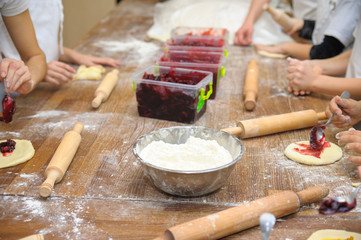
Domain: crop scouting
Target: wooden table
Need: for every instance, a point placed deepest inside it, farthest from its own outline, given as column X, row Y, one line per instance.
column 105, row 195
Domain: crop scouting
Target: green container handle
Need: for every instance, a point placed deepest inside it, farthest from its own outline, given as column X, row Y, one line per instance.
column 223, row 71
column 209, row 93
column 226, row 53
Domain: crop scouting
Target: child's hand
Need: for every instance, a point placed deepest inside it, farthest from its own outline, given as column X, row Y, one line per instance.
column 347, row 111
column 17, row 74
column 351, row 140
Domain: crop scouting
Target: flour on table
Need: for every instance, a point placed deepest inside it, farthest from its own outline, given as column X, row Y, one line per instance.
column 228, row 14
column 328, row 156
column 23, row 152
column 194, row 154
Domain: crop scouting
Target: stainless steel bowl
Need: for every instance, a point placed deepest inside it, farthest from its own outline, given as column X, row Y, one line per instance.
column 189, row 183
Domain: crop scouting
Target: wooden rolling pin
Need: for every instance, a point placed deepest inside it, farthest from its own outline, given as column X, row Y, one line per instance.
column 61, row 160
column 33, row 237
column 276, row 123
column 250, row 90
column 239, row 218
column 280, row 17
column 105, row 88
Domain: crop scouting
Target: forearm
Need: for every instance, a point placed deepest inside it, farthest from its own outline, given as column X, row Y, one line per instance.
column 69, row 56
column 37, row 67
column 336, row 85
column 335, row 66
column 296, row 50
column 255, row 10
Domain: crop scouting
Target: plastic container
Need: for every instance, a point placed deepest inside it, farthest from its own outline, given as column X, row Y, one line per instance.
column 172, row 94
column 202, row 61
column 205, row 32
column 173, row 45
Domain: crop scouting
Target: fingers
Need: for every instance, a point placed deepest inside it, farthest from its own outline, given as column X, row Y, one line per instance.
column 355, row 160
column 106, row 61
column 359, row 171
column 59, row 73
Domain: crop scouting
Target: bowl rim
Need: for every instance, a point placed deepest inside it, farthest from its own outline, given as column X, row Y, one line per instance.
column 190, row 172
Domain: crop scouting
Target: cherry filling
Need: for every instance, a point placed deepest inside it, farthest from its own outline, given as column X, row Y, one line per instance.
column 308, row 150
column 331, row 206
column 191, row 56
column 8, row 108
column 316, row 143
column 7, row 147
column 200, row 42
column 170, row 103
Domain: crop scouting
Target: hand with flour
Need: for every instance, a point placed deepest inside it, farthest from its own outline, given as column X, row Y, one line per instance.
column 17, row 74
column 351, row 142
column 347, row 111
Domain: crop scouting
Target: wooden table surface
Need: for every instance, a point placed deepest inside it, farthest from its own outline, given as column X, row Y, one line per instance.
column 105, row 194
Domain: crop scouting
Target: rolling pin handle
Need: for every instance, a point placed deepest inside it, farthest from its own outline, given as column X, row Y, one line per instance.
column 100, row 97
column 33, row 237
column 312, row 194
column 47, row 186
column 250, row 100
column 78, row 127
column 321, row 116
column 236, row 131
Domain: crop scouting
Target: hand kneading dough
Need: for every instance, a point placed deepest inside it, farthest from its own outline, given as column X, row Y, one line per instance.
column 271, row 55
column 334, row 234
column 328, row 156
column 23, row 151
column 89, row 73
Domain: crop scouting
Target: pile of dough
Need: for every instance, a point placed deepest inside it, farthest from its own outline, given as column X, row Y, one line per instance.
column 89, row 73
column 23, row 152
column 271, row 55
column 328, row 156
column 334, row 234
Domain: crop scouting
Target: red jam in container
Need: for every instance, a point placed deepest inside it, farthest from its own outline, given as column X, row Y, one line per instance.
column 200, row 31
column 173, row 45
column 172, row 94
column 202, row 61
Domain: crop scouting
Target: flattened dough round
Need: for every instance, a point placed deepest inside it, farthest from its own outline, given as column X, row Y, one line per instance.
column 328, row 156
column 271, row 55
column 23, row 151
column 334, row 234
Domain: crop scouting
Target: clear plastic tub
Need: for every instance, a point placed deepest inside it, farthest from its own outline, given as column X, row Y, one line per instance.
column 205, row 32
column 203, row 61
column 172, row 94
column 173, row 45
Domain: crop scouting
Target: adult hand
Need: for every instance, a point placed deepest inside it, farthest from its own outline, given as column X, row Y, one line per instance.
column 347, row 111
column 351, row 140
column 244, row 35
column 301, row 76
column 59, row 73
column 17, row 74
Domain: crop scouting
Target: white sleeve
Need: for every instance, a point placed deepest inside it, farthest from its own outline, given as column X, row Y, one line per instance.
column 13, row 7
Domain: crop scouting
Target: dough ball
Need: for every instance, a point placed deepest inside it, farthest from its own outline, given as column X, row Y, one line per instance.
column 328, row 155
column 89, row 73
column 23, row 152
column 271, row 55
column 334, row 234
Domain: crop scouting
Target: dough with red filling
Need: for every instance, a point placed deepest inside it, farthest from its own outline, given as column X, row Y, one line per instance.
column 23, row 152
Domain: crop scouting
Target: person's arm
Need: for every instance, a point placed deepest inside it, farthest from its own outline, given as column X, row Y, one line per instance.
column 244, row 34
column 22, row 33
column 335, row 66
column 72, row 56
column 347, row 111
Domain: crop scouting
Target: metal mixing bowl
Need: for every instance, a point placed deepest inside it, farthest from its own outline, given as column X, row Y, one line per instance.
column 189, row 183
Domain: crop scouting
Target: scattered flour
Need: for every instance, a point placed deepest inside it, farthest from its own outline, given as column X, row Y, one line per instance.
column 195, row 154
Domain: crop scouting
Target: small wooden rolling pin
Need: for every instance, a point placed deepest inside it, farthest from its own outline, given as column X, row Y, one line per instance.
column 250, row 90
column 276, row 123
column 61, row 160
column 239, row 218
column 105, row 88
column 280, row 17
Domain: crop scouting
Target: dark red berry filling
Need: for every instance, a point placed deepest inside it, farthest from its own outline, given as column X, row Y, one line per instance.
column 316, row 143
column 308, row 150
column 7, row 147
column 170, row 103
column 8, row 108
column 331, row 206
column 199, row 42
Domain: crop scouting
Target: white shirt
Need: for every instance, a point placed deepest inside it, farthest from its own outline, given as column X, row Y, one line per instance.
column 304, row 9
column 354, row 64
column 338, row 19
column 47, row 17
column 13, row 7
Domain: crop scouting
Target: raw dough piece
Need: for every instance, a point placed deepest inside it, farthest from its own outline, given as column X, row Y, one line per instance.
column 328, row 156
column 271, row 55
column 89, row 73
column 23, row 152
column 334, row 235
